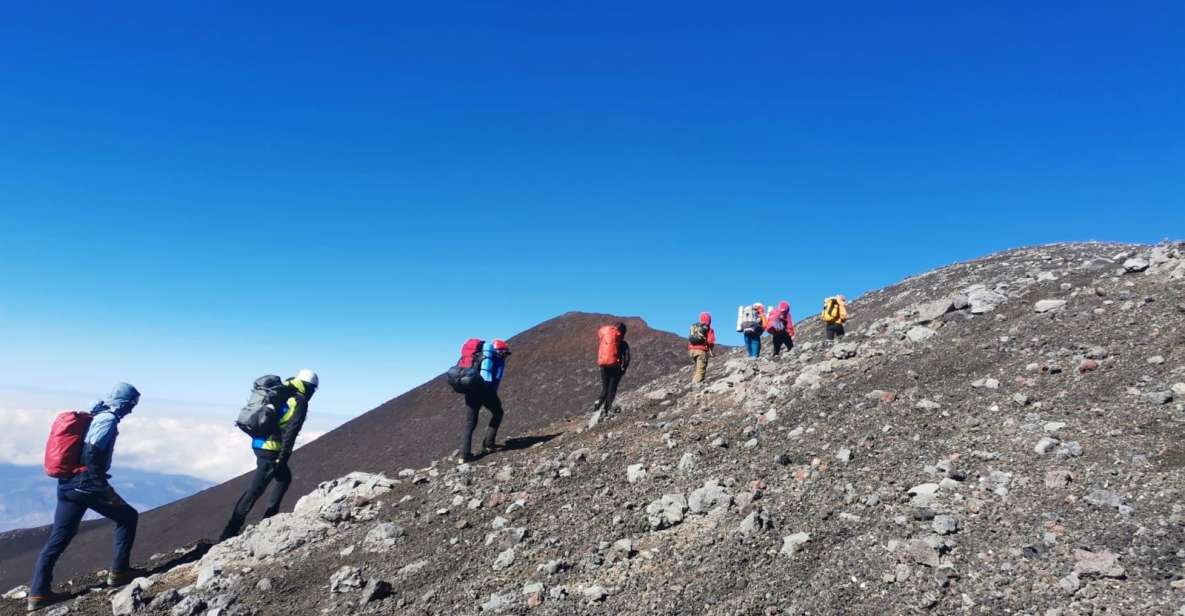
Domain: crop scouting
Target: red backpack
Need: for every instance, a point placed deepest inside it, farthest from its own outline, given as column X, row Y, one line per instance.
column 607, row 354
column 466, row 375
column 63, row 450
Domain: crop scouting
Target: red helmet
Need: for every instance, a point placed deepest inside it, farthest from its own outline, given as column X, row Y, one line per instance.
column 500, row 346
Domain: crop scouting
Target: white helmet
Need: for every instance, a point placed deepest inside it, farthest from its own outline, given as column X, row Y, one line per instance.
column 308, row 376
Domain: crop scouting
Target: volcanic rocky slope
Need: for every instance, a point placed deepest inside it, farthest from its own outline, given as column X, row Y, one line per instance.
column 998, row 436
column 548, row 378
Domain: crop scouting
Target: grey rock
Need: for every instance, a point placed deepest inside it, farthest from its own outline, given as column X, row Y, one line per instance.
column 189, row 606
column 504, row 560
column 844, row 350
column 376, row 590
column 1102, row 564
column 666, row 511
column 1107, row 498
column 498, row 603
column 986, row 383
column 382, row 537
column 755, row 522
column 719, row 442
column 346, row 579
column 844, row 455
column 1045, row 445
column 944, row 524
column 927, row 405
column 594, row 593
column 1057, row 479
column 1049, row 305
column 982, row 300
column 622, row 549
column 164, row 601
column 1134, row 265
column 923, row 494
column 931, row 311
column 1096, row 352
column 687, row 462
column 1070, row 449
column 1159, row 397
column 17, row 593
column 635, row 473
column 919, row 552
column 1155, row 360
column 1070, row 584
column 658, row 394
column 130, row 599
column 708, row 497
column 919, row 334
column 792, row 543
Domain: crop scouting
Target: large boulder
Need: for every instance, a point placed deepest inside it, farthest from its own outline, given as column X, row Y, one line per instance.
column 345, row 498
column 666, row 511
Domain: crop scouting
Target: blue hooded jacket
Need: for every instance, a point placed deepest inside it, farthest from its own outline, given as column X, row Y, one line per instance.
column 99, row 444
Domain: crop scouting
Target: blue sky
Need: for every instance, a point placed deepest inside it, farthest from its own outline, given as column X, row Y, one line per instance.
column 195, row 194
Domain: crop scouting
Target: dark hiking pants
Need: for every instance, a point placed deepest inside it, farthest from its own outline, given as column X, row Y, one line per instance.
column 834, row 330
column 610, row 379
column 72, row 505
column 474, row 401
column 267, row 468
column 782, row 339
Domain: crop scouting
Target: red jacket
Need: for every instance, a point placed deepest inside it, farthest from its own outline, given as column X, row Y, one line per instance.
column 783, row 312
column 706, row 319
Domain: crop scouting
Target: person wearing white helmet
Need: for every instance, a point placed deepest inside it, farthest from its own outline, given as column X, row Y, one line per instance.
column 272, row 453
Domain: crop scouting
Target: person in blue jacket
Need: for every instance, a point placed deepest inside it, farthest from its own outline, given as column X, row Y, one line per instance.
column 89, row 489
column 493, row 366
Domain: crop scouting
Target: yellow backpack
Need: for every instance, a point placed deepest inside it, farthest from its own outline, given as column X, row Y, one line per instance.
column 833, row 310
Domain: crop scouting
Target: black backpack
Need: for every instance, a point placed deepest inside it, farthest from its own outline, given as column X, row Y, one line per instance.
column 698, row 334
column 466, row 375
column 260, row 417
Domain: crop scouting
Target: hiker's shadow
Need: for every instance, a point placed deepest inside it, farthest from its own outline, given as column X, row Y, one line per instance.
column 523, row 442
column 191, row 555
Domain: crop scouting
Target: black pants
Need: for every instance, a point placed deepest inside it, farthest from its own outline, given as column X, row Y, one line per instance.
column 474, row 400
column 610, row 379
column 782, row 339
column 72, row 505
column 834, row 330
column 266, row 469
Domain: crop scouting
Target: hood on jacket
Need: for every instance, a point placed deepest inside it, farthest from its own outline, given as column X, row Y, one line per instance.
column 97, row 406
column 123, row 399
column 783, row 306
column 705, row 318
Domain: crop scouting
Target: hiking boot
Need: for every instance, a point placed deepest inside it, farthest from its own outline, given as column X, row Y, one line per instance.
column 122, row 578
column 465, row 458
column 37, row 602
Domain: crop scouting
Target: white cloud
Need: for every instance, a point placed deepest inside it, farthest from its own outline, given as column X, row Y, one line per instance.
column 194, row 446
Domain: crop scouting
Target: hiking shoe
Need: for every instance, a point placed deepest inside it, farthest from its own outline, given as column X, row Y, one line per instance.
column 122, row 578
column 37, row 602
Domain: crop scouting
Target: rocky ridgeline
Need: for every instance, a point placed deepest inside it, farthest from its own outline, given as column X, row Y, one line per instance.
column 999, row 436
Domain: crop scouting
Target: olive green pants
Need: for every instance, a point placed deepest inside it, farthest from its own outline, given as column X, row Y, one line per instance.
column 701, row 365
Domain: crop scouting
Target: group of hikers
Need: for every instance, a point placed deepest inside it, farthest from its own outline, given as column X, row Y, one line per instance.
column 81, row 445
column 79, row 453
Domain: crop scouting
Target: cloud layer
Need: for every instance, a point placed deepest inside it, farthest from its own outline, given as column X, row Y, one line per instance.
column 194, row 446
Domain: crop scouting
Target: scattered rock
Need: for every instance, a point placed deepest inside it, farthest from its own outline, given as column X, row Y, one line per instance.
column 346, row 579
column 1106, row 498
column 919, row 334
column 1102, row 564
column 635, row 473
column 708, row 497
column 504, row 560
column 666, row 511
column 1049, row 305
column 792, row 543
column 1135, row 265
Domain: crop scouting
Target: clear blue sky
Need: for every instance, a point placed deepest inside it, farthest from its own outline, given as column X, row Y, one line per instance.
column 194, row 194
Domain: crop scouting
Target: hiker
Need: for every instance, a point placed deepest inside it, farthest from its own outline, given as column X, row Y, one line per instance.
column 835, row 314
column 750, row 323
column 700, row 345
column 780, row 326
column 485, row 393
column 85, row 487
column 273, row 452
column 613, row 357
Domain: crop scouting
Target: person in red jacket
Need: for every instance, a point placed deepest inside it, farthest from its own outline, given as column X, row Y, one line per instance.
column 780, row 325
column 701, row 343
